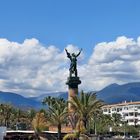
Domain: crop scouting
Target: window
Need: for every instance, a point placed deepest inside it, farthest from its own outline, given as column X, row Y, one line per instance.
column 131, row 120
column 138, row 114
column 131, row 107
column 113, row 109
column 138, row 107
column 131, row 114
column 126, row 114
column 119, row 109
column 105, row 110
column 125, row 108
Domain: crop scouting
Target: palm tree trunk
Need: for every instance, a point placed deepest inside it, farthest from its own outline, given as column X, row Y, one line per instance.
column 85, row 123
column 95, row 129
column 5, row 122
column 37, row 135
column 59, row 131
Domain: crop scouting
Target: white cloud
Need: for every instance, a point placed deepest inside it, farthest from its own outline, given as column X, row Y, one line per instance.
column 32, row 68
column 116, row 61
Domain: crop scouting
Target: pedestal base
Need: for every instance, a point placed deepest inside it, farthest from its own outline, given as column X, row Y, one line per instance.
column 72, row 83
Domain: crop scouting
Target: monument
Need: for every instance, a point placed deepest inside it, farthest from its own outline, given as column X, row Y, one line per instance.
column 73, row 80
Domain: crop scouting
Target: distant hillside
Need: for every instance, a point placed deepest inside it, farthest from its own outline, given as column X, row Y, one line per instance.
column 24, row 102
column 18, row 100
column 53, row 94
column 115, row 93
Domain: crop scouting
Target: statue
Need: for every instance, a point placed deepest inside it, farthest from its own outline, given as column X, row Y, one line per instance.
column 73, row 65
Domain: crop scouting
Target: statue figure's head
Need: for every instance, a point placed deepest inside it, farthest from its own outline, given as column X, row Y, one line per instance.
column 73, row 54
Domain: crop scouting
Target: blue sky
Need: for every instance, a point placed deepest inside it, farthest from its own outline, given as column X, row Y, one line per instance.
column 83, row 23
column 30, row 65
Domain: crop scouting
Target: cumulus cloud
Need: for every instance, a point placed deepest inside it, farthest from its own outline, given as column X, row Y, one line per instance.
column 116, row 61
column 30, row 68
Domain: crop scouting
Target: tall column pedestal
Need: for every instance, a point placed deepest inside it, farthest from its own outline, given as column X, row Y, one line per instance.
column 72, row 83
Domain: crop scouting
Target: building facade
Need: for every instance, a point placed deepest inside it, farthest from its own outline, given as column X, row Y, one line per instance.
column 129, row 111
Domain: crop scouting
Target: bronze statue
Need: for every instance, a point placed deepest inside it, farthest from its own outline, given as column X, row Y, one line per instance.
column 73, row 65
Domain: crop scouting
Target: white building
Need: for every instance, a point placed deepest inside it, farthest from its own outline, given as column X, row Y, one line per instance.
column 129, row 111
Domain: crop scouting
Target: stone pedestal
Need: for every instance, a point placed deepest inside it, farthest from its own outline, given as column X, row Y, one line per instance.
column 72, row 83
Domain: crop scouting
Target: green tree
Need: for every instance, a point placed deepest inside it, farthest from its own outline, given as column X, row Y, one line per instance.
column 86, row 105
column 6, row 111
column 30, row 114
column 104, row 122
column 17, row 117
column 57, row 113
column 50, row 101
column 39, row 124
column 78, row 136
column 116, row 118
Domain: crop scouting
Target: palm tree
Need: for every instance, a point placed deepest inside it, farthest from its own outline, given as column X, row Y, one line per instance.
column 116, row 118
column 17, row 116
column 6, row 112
column 30, row 114
column 21, row 119
column 104, row 122
column 85, row 106
column 57, row 113
column 39, row 123
column 73, row 136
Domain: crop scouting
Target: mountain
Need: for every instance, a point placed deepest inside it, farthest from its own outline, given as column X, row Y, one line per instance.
column 24, row 102
column 53, row 94
column 18, row 100
column 115, row 93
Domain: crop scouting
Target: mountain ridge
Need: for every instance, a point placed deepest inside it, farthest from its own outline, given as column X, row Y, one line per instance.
column 119, row 93
column 113, row 93
column 18, row 100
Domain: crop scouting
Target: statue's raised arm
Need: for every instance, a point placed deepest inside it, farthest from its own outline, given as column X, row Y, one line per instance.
column 79, row 53
column 73, row 65
column 68, row 54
